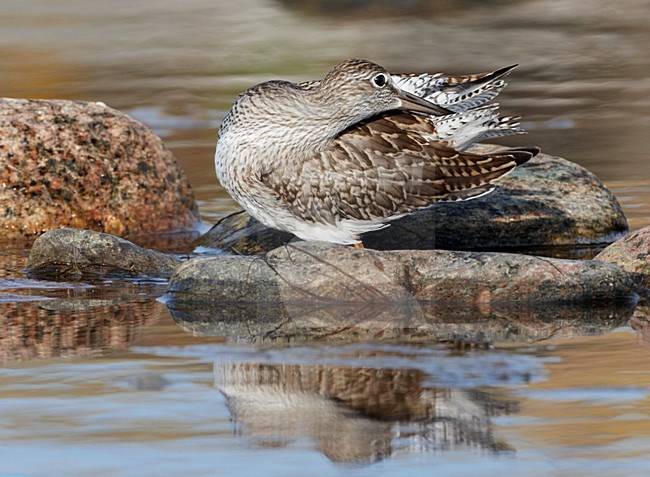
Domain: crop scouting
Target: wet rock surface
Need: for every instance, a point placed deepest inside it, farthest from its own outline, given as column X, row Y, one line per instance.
column 73, row 253
column 318, row 272
column 632, row 253
column 548, row 201
column 323, row 291
column 85, row 165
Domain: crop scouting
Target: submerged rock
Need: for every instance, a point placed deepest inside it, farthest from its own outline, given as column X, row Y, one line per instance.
column 85, row 165
column 631, row 253
column 73, row 253
column 318, row 272
column 547, row 201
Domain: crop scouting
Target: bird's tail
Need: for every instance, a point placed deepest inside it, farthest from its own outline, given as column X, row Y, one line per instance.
column 456, row 93
column 461, row 130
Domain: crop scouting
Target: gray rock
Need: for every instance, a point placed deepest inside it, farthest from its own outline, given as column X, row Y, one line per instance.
column 241, row 233
column 225, row 278
column 547, row 202
column 75, row 253
column 308, row 291
column 318, row 271
column 631, row 253
column 85, row 165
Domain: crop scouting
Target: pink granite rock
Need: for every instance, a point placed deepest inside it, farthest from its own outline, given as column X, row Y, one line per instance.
column 85, row 165
column 631, row 253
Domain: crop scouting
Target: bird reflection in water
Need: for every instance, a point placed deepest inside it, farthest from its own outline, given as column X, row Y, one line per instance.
column 357, row 414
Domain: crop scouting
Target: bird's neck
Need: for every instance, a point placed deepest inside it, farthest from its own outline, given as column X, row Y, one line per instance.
column 294, row 123
column 303, row 125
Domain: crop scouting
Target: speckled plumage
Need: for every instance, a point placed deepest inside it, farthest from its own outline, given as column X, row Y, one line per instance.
column 332, row 159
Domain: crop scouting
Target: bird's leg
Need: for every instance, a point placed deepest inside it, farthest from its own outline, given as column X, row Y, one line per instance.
column 358, row 245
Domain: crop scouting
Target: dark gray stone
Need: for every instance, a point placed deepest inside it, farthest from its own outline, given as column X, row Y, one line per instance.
column 76, row 253
column 225, row 278
column 308, row 291
column 241, row 233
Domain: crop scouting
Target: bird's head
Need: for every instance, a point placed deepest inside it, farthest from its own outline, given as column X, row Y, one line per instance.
column 364, row 89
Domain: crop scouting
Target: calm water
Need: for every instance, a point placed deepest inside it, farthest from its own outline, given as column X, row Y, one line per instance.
column 102, row 379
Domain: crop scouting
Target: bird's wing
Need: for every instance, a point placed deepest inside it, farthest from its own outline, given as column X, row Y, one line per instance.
column 384, row 167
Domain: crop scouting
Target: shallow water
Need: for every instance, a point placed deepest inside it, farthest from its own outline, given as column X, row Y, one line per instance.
column 99, row 378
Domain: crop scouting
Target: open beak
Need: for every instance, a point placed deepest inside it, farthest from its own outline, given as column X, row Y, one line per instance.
column 412, row 102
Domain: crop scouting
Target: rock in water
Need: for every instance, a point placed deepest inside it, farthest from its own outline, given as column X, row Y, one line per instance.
column 243, row 234
column 73, row 253
column 85, row 165
column 336, row 274
column 316, row 291
column 547, row 201
column 632, row 253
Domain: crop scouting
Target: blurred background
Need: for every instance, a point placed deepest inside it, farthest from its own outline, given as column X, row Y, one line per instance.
column 582, row 87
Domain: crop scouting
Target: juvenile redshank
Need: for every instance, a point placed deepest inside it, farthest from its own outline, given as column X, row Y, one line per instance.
column 332, row 159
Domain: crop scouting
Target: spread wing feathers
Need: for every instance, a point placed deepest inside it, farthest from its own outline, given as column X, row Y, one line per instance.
column 375, row 173
column 456, row 93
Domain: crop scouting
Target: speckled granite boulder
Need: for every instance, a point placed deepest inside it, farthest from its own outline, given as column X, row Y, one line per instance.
column 548, row 201
column 631, row 253
column 85, row 165
column 75, row 253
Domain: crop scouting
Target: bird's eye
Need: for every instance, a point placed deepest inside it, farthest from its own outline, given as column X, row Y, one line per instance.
column 379, row 80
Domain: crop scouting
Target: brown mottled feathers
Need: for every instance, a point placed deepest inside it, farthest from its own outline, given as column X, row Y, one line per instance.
column 385, row 167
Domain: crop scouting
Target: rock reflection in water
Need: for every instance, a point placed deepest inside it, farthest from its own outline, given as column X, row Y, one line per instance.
column 406, row 320
column 357, row 414
column 66, row 328
column 640, row 322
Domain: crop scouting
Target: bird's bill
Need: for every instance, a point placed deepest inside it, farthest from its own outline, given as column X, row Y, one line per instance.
column 412, row 102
